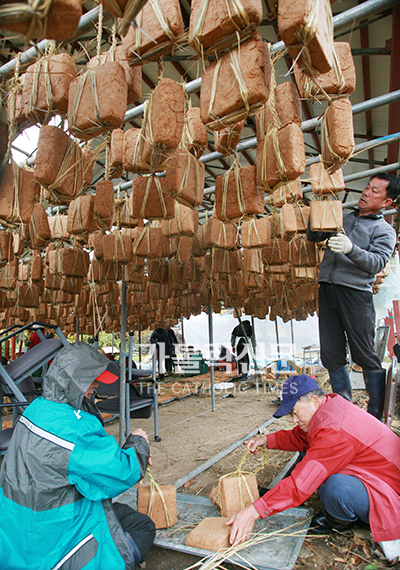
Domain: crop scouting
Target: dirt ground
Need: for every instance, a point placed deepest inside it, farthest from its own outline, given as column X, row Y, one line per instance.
column 192, row 433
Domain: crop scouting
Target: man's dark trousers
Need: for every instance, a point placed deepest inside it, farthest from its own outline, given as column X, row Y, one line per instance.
column 346, row 314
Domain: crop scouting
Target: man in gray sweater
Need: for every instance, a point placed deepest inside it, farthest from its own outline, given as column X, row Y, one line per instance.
column 346, row 311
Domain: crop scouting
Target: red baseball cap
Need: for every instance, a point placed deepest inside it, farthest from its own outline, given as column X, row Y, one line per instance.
column 108, row 376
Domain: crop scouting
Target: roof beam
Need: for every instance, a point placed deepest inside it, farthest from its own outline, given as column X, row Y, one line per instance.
column 364, row 38
column 394, row 107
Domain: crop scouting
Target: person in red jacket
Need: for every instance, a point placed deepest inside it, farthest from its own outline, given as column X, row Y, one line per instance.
column 351, row 458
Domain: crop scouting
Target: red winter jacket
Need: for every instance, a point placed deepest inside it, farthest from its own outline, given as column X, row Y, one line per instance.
column 341, row 438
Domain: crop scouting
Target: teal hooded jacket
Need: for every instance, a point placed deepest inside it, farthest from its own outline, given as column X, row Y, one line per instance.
column 61, row 472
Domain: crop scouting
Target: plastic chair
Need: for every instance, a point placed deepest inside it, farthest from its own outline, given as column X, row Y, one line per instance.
column 16, row 371
column 27, row 387
column 140, row 400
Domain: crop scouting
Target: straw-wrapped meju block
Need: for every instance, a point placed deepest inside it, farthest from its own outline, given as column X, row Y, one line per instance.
column 163, row 510
column 337, row 134
column 326, row 215
column 219, row 234
column 149, row 200
column 71, row 285
column 4, row 139
column 157, row 271
column 277, row 253
column 214, row 22
column 289, row 222
column 185, row 178
column 32, row 268
column 81, row 215
column 250, row 67
column 184, row 223
column 287, row 193
column 234, row 493
column 149, row 242
column 136, row 152
column 104, row 203
column 226, row 140
column 236, row 194
column 59, row 164
column 29, row 294
column 340, row 80
column 212, row 533
column 133, row 75
column 219, row 261
column 39, row 229
column 117, row 248
column 46, row 86
column 19, row 192
column 302, row 215
column 252, row 260
column 97, row 100
column 103, row 272
column 281, row 156
column 303, row 252
column 167, row 114
column 61, row 22
column 6, row 247
column 8, row 275
column 158, row 24
column 194, row 136
column 256, row 232
column 306, row 28
column 285, row 102
column 72, row 261
column 117, row 148
column 150, row 149
column 322, row 182
column 59, row 227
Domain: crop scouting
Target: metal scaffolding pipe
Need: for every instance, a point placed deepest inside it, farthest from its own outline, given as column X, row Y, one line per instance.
column 31, row 54
column 340, row 21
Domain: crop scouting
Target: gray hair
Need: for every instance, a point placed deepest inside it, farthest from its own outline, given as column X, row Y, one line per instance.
column 317, row 392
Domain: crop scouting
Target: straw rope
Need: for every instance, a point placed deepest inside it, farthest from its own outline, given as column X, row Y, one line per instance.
column 154, row 489
column 34, row 11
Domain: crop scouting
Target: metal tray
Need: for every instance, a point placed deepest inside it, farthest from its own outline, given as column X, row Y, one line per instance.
column 278, row 553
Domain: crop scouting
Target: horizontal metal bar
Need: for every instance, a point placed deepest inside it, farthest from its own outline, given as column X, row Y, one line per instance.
column 364, row 174
column 358, row 108
column 340, row 21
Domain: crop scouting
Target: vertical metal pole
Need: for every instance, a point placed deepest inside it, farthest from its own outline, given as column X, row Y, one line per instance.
column 211, row 342
column 140, row 343
column 277, row 337
column 183, row 332
column 292, row 333
column 127, row 403
column 112, row 342
column 77, row 330
column 122, row 365
column 253, row 340
column 155, row 391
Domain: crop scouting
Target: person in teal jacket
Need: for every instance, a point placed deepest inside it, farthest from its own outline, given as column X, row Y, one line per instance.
column 62, row 470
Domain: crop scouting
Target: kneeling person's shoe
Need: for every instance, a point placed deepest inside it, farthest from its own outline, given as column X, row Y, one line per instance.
column 324, row 523
column 391, row 549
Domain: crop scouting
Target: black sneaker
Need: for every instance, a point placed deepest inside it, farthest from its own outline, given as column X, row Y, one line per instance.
column 324, row 523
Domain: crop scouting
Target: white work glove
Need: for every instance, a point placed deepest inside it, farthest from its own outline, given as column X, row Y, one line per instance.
column 340, row 244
